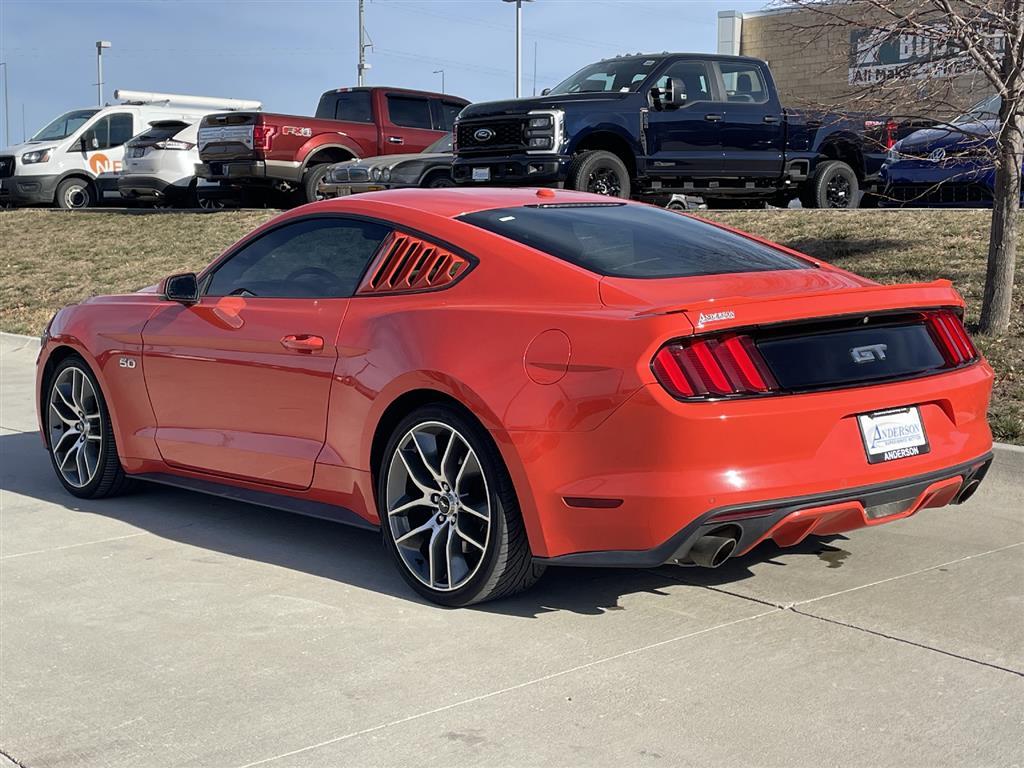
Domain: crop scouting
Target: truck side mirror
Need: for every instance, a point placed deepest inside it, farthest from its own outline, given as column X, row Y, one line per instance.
column 88, row 141
column 673, row 95
column 183, row 288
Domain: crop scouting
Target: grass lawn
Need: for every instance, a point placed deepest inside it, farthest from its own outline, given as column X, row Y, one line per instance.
column 52, row 258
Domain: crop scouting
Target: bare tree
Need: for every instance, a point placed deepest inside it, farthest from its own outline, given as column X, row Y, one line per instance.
column 981, row 37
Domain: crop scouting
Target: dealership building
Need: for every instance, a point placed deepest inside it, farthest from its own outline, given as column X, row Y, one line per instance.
column 818, row 62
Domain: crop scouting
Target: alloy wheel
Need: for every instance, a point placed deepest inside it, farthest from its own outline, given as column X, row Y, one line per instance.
column 76, row 426
column 838, row 191
column 438, row 506
column 604, row 181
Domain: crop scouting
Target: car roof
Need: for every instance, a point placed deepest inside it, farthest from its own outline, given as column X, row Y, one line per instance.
column 450, row 202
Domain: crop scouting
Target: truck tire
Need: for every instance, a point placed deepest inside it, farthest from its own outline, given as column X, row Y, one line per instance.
column 834, row 185
column 311, row 182
column 75, row 193
column 599, row 172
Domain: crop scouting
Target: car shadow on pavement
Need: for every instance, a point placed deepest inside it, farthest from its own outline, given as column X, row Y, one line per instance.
column 326, row 549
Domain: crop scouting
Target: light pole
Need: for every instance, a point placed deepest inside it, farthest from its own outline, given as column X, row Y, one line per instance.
column 440, row 72
column 7, row 109
column 363, row 45
column 100, row 45
column 519, row 41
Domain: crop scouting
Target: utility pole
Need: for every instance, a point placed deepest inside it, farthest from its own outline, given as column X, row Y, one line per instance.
column 363, row 45
column 519, row 43
column 7, row 109
column 23, row 134
column 441, row 72
column 100, row 45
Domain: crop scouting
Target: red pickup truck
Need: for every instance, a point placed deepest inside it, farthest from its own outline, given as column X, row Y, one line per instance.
column 251, row 155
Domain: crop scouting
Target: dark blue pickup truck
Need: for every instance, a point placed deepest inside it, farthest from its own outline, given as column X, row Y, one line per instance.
column 650, row 126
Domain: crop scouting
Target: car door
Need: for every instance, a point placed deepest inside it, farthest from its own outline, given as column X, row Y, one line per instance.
column 101, row 147
column 409, row 127
column 753, row 128
column 686, row 142
column 240, row 381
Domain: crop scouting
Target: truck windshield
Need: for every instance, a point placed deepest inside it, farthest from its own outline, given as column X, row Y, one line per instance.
column 986, row 109
column 639, row 241
column 616, row 75
column 64, row 125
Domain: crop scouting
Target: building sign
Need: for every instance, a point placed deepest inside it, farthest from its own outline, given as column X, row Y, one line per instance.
column 880, row 54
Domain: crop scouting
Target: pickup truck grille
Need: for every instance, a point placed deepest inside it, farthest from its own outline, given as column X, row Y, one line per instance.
column 505, row 134
column 6, row 167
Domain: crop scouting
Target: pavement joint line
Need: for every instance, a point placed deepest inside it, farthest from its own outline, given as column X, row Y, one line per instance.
column 904, row 640
column 502, row 691
column 4, row 757
column 911, row 573
column 73, row 546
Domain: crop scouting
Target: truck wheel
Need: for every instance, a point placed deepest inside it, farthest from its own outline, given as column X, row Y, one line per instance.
column 75, row 193
column 438, row 180
column 311, row 180
column 834, row 185
column 599, row 172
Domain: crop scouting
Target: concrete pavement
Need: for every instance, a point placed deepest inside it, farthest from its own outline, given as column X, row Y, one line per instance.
column 167, row 628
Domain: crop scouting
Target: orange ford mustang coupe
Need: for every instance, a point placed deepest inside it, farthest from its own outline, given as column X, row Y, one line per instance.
column 506, row 379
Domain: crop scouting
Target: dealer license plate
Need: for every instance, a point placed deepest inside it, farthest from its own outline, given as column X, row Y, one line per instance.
column 481, row 174
column 894, row 434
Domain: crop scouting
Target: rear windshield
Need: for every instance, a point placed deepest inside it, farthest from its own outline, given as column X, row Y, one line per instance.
column 639, row 241
column 160, row 130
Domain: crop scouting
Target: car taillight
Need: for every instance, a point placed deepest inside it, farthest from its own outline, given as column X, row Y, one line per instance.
column 951, row 337
column 262, row 137
column 173, row 144
column 713, row 367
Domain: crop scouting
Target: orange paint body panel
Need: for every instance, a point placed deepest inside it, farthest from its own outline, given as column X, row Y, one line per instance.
column 552, row 359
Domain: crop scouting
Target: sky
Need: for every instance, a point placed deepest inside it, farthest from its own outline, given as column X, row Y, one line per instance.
column 285, row 53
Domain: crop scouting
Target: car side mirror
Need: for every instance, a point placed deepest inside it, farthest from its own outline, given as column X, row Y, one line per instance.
column 545, row 92
column 183, row 288
column 672, row 96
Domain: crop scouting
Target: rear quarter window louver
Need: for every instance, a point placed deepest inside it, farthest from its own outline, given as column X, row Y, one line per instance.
column 407, row 264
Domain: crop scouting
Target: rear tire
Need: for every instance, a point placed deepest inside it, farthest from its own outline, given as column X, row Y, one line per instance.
column 79, row 434
column 74, row 194
column 599, row 172
column 834, row 185
column 311, row 181
column 448, row 510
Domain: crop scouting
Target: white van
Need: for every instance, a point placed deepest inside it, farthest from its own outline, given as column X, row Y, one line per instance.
column 74, row 162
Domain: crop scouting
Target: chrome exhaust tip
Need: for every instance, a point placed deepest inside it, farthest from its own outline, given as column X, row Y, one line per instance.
column 966, row 491
column 711, row 551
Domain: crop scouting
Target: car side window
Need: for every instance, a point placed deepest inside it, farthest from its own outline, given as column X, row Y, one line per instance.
column 446, row 113
column 743, row 82
column 409, row 111
column 354, row 107
column 112, row 130
column 696, row 77
column 315, row 258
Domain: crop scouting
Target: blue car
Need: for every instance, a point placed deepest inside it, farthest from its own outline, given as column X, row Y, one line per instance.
column 948, row 165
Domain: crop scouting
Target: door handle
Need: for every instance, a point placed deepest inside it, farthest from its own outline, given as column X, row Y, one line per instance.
column 303, row 343
column 771, row 119
column 712, row 118
column 396, row 140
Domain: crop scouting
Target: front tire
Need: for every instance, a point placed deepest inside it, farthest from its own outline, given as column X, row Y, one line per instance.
column 74, row 194
column 834, row 185
column 599, row 172
column 449, row 513
column 79, row 433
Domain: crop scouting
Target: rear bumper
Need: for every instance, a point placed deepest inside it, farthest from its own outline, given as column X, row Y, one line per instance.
column 790, row 521
column 626, row 491
column 512, row 170
column 152, row 188
column 249, row 171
